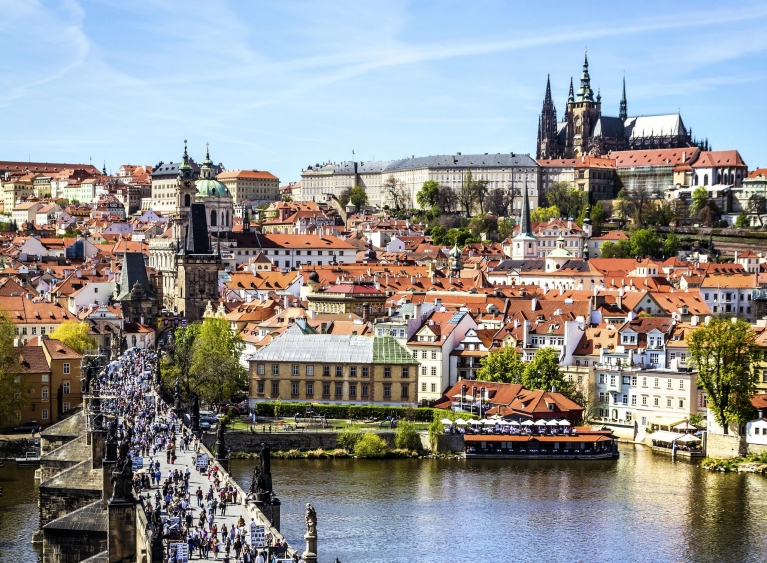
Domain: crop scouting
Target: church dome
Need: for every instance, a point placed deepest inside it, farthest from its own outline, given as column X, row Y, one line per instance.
column 314, row 277
column 210, row 187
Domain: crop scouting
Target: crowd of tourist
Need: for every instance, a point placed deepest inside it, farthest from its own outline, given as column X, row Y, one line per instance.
column 193, row 516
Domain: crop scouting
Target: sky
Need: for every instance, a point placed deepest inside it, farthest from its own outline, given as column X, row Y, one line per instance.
column 283, row 85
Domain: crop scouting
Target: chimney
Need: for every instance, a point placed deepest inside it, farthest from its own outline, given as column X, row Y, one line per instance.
column 365, row 312
column 619, row 300
column 694, row 320
column 533, row 304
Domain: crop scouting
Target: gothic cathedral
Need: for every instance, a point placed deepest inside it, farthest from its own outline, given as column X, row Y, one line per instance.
column 585, row 131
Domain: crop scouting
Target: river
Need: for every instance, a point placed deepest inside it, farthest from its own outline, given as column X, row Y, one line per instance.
column 641, row 508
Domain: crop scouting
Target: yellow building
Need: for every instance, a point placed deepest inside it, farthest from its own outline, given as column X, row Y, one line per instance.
column 303, row 365
column 255, row 186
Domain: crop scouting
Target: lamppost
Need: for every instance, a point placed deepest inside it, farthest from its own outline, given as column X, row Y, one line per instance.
column 463, row 393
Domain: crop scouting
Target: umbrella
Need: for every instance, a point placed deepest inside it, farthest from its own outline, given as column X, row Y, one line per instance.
column 688, row 438
column 461, row 422
column 564, row 422
column 552, row 423
column 474, row 422
column 527, row 423
column 505, row 423
column 487, row 422
column 540, row 422
column 446, row 421
column 514, row 423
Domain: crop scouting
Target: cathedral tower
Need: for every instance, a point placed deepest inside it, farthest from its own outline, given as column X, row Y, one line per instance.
column 582, row 115
column 623, row 112
column 525, row 244
column 547, row 127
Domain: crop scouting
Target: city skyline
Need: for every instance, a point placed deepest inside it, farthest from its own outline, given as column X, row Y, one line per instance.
column 279, row 87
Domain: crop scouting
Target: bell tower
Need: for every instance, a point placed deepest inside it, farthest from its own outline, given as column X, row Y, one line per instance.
column 185, row 188
column 582, row 114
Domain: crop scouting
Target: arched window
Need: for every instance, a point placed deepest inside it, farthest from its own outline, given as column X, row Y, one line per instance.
column 186, row 200
column 226, row 224
column 695, row 179
column 705, row 179
column 223, row 221
column 213, row 218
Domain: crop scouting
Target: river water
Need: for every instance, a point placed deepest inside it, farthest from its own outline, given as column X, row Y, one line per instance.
column 640, row 508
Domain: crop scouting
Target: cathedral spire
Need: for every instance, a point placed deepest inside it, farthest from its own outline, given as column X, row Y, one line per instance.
column 623, row 112
column 585, row 93
column 525, row 227
column 547, row 99
column 571, row 96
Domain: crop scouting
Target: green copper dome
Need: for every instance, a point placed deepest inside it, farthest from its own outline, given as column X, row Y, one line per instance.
column 211, row 187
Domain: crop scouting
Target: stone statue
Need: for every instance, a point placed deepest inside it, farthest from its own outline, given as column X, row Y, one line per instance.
column 221, row 431
column 110, row 453
column 311, row 520
column 177, row 397
column 255, row 480
column 264, row 484
column 122, row 476
column 195, row 416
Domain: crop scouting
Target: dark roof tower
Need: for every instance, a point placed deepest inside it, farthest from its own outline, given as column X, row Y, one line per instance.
column 133, row 272
column 526, row 227
column 197, row 241
column 571, row 96
column 623, row 112
column 547, row 126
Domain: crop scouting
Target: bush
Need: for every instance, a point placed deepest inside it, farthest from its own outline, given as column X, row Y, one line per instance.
column 354, row 412
column 406, row 437
column 436, row 429
column 370, row 445
column 348, row 438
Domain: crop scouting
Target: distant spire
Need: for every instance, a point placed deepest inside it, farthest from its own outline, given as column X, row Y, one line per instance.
column 526, row 227
column 104, row 169
column 623, row 112
column 599, row 95
column 585, row 93
column 547, row 99
column 571, row 96
column 185, row 170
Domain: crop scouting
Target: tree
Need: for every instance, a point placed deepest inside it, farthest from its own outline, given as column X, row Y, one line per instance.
column 598, row 216
column 448, row 199
column 358, row 197
column 723, row 351
column 709, row 214
column 757, row 205
column 394, row 190
column 13, row 383
column 467, row 193
column 633, row 204
column 621, row 249
column 542, row 214
column 671, row 245
column 216, row 367
column 428, row 195
column 177, row 365
column 543, row 372
column 568, row 200
column 644, row 242
column 660, row 214
column 370, row 445
column 699, row 200
column 345, row 196
column 75, row 335
column 406, row 437
column 503, row 366
column 743, row 221
column 498, row 201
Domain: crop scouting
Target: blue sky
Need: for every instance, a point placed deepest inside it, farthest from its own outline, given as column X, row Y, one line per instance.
column 281, row 85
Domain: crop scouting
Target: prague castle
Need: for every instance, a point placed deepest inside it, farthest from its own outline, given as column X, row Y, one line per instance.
column 585, row 130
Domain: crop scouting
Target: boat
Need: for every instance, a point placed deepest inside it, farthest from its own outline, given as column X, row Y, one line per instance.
column 594, row 445
column 30, row 458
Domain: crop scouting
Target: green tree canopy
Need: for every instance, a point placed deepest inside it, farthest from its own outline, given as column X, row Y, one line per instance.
column 598, row 215
column 543, row 372
column 644, row 242
column 723, row 351
column 541, row 214
column 567, row 199
column 428, row 195
column 620, row 249
column 671, row 245
column 13, row 384
column 502, row 366
column 699, row 200
column 743, row 221
column 75, row 335
column 358, row 197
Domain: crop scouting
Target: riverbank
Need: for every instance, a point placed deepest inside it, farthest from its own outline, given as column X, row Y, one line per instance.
column 319, row 453
column 755, row 463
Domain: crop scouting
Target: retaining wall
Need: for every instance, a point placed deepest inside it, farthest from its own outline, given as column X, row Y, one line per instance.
column 731, row 445
column 247, row 442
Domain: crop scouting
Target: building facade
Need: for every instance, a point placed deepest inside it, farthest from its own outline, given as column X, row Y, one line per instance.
column 256, row 187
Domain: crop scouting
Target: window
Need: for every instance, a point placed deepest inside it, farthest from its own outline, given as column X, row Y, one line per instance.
column 387, row 391
column 387, row 372
column 65, row 407
column 633, row 400
column 275, row 369
column 66, row 370
column 326, row 372
column 626, row 379
column 294, row 370
column 423, row 387
column 405, row 373
column 657, row 382
column 423, row 370
column 24, row 330
column 326, row 389
column 625, row 399
column 294, row 388
column 352, row 371
column 656, row 401
column 339, row 389
column 45, row 393
column 602, row 397
column 365, row 371
column 681, row 384
column 261, row 369
column 434, row 371
column 310, row 371
column 34, row 328
column 668, row 403
column 601, row 378
column 612, row 380
column 405, row 391
column 681, row 403
column 44, row 414
column 339, row 371
column 364, row 390
column 352, row 390
column 433, row 355
column 668, row 384
column 260, row 388
column 65, row 386
column 423, row 355
column 275, row 387
column 433, row 387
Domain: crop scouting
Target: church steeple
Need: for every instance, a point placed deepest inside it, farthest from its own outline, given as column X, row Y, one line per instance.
column 571, row 96
column 623, row 112
column 206, row 170
column 585, row 93
column 547, row 99
column 185, row 170
column 547, row 126
column 525, row 245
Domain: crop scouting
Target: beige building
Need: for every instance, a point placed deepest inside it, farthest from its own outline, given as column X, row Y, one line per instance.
column 255, row 186
column 302, row 365
column 507, row 171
